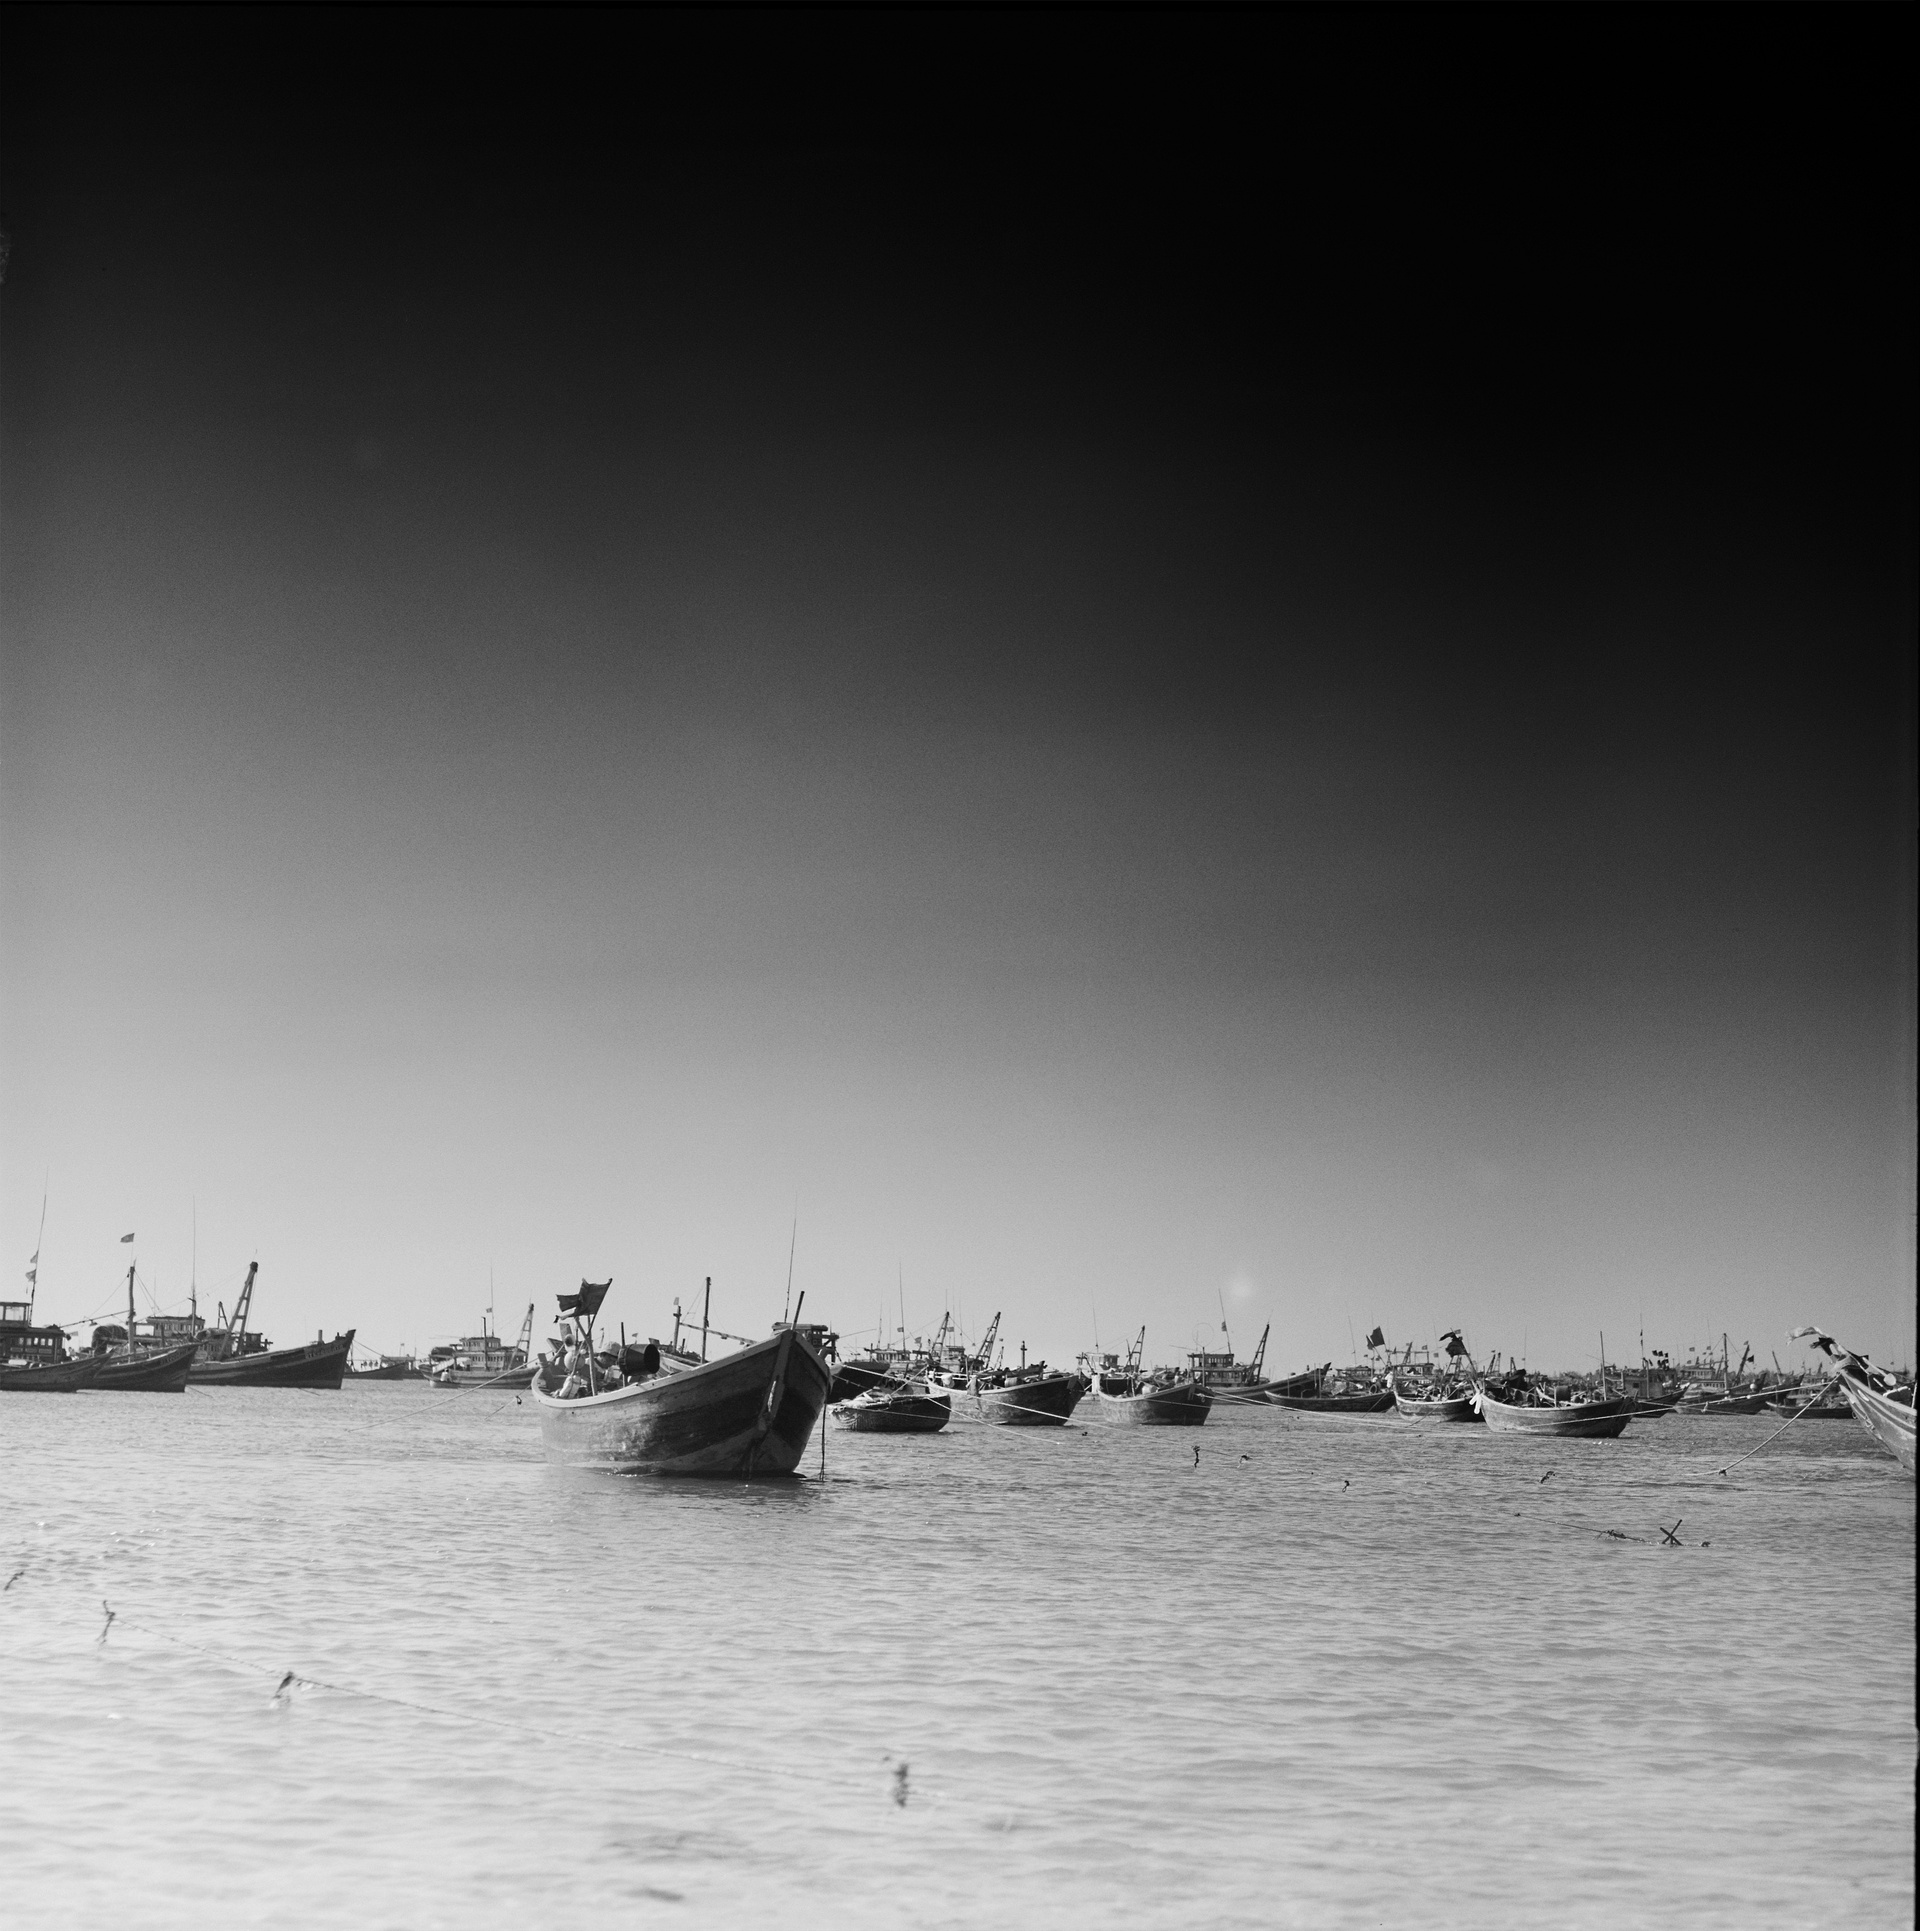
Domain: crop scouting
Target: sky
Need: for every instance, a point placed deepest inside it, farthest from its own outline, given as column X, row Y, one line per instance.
column 1122, row 682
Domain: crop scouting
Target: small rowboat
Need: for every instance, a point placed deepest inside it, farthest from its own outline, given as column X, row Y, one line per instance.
column 1884, row 1410
column 50, row 1377
column 153, row 1371
column 899, row 1408
column 1589, row 1420
column 1134, row 1399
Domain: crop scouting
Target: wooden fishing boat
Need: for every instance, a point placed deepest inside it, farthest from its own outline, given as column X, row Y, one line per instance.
column 1143, row 1402
column 1331, row 1394
column 1813, row 1404
column 1883, row 1407
column 389, row 1367
column 1129, row 1394
column 747, row 1413
column 897, row 1408
column 136, row 1368
column 1030, row 1397
column 1227, row 1379
column 1373, row 1401
column 486, row 1360
column 152, row 1371
column 33, row 1357
column 62, row 1377
column 1537, row 1413
column 319, row 1364
column 1415, row 1406
column 231, row 1357
column 1742, row 1401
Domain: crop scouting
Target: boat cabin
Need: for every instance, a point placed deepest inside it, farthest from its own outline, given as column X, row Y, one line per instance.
column 21, row 1341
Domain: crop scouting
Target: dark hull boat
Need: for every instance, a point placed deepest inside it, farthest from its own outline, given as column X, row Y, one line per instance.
column 1589, row 1420
column 750, row 1413
column 51, row 1377
column 159, row 1371
column 1808, row 1404
column 320, row 1364
column 860, row 1376
column 1756, row 1403
column 387, row 1371
column 1015, row 1400
column 1181, row 1404
column 1371, row 1402
column 899, row 1408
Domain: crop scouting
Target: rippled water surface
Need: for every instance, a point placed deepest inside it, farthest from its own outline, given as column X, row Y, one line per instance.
column 1341, row 1672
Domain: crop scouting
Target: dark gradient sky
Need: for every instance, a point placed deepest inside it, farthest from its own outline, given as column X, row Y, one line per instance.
column 1138, row 659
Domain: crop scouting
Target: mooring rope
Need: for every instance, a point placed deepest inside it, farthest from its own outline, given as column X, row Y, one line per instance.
column 1782, row 1429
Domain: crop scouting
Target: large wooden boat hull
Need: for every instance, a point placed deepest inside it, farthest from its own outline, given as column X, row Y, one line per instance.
column 161, row 1373
column 1047, row 1403
column 51, row 1377
column 397, row 1372
column 1184, row 1406
column 320, row 1364
column 750, row 1413
column 1375, row 1403
column 1580, row 1420
column 895, row 1411
column 1439, row 1408
column 1890, row 1423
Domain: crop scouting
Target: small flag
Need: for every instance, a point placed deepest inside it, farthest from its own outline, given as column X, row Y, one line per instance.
column 586, row 1304
column 124, row 1238
column 1455, row 1346
column 33, row 1274
column 33, row 1257
column 1376, row 1339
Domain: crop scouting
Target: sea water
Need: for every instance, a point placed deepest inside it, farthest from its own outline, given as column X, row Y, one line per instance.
column 373, row 1661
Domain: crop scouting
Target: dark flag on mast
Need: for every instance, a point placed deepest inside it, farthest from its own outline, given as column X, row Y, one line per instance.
column 1376, row 1339
column 1454, row 1344
column 586, row 1304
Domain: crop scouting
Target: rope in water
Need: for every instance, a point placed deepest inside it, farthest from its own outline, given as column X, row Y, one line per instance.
column 1788, row 1423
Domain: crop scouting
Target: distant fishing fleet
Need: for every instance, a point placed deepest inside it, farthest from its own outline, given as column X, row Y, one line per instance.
column 677, row 1407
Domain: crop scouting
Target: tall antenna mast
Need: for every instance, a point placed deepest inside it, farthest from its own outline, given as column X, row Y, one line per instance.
column 791, row 1245
column 39, row 1241
column 193, row 1284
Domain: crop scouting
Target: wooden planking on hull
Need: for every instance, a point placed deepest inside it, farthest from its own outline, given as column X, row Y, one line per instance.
column 1444, row 1408
column 159, row 1371
column 320, row 1364
column 749, row 1413
column 51, row 1377
column 907, row 1409
column 1577, row 1420
column 1185, row 1405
